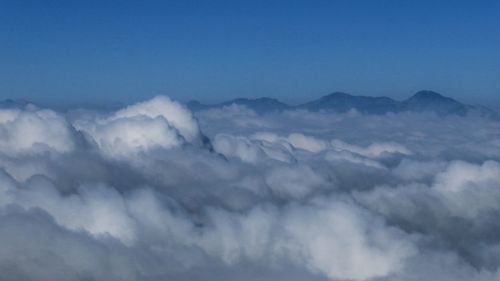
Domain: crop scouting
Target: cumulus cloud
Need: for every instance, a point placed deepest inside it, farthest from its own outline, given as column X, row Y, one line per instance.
column 34, row 131
column 153, row 192
column 142, row 127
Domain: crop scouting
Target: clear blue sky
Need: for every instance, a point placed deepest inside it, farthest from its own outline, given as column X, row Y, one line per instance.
column 107, row 51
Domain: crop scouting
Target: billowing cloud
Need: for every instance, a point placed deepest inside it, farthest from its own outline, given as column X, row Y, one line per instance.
column 34, row 131
column 157, row 123
column 153, row 192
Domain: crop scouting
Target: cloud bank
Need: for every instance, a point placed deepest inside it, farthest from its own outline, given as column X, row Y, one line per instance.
column 154, row 192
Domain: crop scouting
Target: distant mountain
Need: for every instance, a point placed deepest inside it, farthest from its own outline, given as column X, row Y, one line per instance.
column 13, row 103
column 422, row 101
column 195, row 105
column 342, row 102
column 259, row 105
column 429, row 101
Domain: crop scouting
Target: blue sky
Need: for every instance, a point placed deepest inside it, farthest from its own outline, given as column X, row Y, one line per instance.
column 61, row 52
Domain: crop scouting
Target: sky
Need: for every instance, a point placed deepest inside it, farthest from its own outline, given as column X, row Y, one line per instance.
column 147, row 190
column 97, row 52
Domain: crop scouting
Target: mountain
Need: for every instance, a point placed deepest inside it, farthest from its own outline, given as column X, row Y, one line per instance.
column 429, row 101
column 259, row 105
column 195, row 105
column 13, row 103
column 342, row 102
column 422, row 101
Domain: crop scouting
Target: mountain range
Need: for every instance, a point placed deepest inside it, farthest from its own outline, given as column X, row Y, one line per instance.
column 422, row 101
column 13, row 103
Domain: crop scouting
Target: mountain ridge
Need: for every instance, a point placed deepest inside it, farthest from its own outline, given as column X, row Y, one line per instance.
column 341, row 102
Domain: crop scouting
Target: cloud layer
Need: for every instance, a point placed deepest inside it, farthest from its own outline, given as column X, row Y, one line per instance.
column 153, row 192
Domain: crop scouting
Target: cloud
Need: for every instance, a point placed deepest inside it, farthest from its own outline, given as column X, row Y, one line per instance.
column 373, row 150
column 34, row 131
column 37, row 248
column 157, row 123
column 152, row 192
column 173, row 112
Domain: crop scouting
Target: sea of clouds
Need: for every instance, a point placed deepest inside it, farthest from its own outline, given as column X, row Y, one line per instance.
column 155, row 192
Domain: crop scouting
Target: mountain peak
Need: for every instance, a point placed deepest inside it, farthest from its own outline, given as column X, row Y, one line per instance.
column 428, row 95
column 433, row 102
column 340, row 102
column 337, row 95
column 255, row 100
column 343, row 102
column 13, row 103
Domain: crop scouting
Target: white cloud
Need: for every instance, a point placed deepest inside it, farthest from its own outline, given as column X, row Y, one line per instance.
column 159, row 123
column 173, row 112
column 34, row 131
column 137, row 194
column 373, row 150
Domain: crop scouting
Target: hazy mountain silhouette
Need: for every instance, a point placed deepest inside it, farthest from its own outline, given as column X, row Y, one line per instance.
column 422, row 101
column 429, row 101
column 14, row 103
column 259, row 105
column 342, row 102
